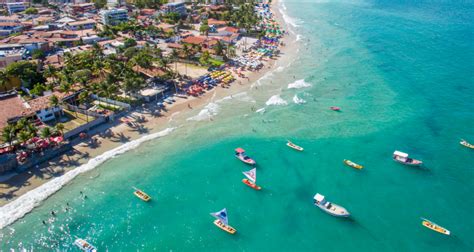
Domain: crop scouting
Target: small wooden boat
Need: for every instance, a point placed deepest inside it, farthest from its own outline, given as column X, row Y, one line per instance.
column 250, row 184
column 352, row 164
column 466, row 144
column 330, row 208
column 252, row 179
column 334, row 108
column 84, row 245
column 403, row 158
column 142, row 195
column 222, row 221
column 435, row 227
column 294, row 146
column 240, row 154
column 224, row 227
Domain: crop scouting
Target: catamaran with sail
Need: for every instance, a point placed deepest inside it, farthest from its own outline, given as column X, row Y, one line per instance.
column 403, row 158
column 222, row 221
column 84, row 245
column 240, row 154
column 252, row 179
column 435, row 227
column 294, row 146
column 329, row 207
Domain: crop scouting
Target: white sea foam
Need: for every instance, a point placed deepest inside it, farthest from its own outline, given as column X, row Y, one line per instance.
column 209, row 111
column 267, row 75
column 299, row 84
column 25, row 203
column 242, row 96
column 290, row 20
column 276, row 100
column 299, row 37
column 260, row 110
column 280, row 69
column 298, row 100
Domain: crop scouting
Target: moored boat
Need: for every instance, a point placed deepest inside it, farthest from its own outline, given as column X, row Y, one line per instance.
column 435, row 227
column 222, row 221
column 294, row 146
column 466, row 144
column 141, row 194
column 352, row 164
column 329, row 207
column 252, row 179
column 84, row 245
column 242, row 156
column 403, row 158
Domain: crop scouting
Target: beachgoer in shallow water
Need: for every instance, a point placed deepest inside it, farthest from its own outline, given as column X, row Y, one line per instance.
column 44, row 222
column 52, row 213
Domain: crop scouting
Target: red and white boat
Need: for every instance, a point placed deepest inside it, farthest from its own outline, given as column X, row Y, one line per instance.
column 334, row 108
column 240, row 154
column 403, row 158
column 252, row 179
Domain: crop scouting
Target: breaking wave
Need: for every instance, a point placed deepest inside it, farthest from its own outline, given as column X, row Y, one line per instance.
column 28, row 201
column 299, row 84
column 209, row 111
column 298, row 100
column 276, row 100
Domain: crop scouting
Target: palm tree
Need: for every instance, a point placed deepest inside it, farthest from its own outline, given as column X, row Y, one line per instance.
column 23, row 136
column 187, row 53
column 60, row 128
column 46, row 132
column 175, row 55
column 84, row 98
column 4, row 80
column 54, row 102
column 8, row 134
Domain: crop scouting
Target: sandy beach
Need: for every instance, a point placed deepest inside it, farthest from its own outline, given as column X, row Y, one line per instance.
column 85, row 150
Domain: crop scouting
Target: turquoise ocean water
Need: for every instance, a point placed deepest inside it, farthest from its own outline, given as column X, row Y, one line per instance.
column 402, row 73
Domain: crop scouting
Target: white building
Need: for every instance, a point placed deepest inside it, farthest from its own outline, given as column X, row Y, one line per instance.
column 113, row 16
column 15, row 7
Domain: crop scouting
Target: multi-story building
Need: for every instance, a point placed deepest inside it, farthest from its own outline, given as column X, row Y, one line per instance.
column 178, row 7
column 7, row 28
column 81, row 25
column 113, row 16
column 15, row 7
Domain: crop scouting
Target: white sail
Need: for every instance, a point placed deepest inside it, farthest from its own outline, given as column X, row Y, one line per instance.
column 221, row 215
column 252, row 174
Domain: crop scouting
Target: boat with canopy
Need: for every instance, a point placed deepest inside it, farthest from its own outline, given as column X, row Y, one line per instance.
column 222, row 221
column 329, row 207
column 242, row 156
column 252, row 179
column 141, row 194
column 435, row 227
column 294, row 146
column 403, row 158
column 352, row 164
column 84, row 245
column 466, row 144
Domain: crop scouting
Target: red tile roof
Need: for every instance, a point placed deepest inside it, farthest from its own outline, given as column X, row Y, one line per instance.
column 11, row 107
column 193, row 40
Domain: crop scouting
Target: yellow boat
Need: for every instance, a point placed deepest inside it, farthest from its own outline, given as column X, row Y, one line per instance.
column 352, row 164
column 466, row 144
column 142, row 195
column 225, row 227
column 435, row 227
